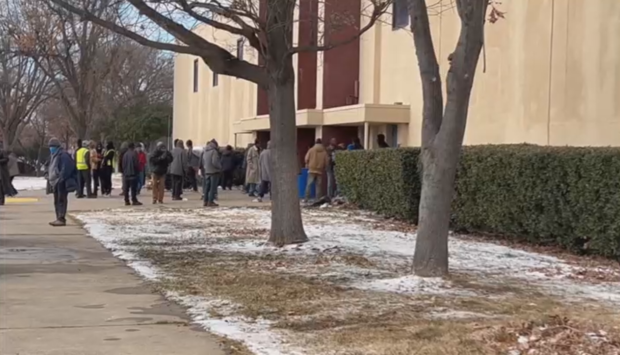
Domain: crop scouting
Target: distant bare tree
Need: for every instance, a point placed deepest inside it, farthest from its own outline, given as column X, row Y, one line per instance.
column 23, row 86
column 75, row 55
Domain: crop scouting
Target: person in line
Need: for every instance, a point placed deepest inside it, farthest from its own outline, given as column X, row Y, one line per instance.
column 122, row 151
column 228, row 167
column 193, row 164
column 107, row 169
column 332, row 185
column 265, row 163
column 355, row 144
column 5, row 178
column 178, row 169
column 13, row 172
column 211, row 168
column 252, row 172
column 96, row 156
column 141, row 167
column 82, row 162
column 131, row 171
column 316, row 161
column 62, row 179
column 160, row 160
column 381, row 141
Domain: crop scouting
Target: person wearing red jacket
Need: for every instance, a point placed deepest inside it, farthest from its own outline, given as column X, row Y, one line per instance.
column 141, row 166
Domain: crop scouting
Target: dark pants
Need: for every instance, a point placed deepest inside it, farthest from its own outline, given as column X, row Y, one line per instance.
column 265, row 187
column 13, row 191
column 177, row 186
column 209, row 187
column 60, row 201
column 227, row 180
column 130, row 183
column 97, row 180
column 84, row 181
column 2, row 193
column 191, row 177
column 105, row 176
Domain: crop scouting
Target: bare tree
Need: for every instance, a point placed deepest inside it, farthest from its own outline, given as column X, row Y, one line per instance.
column 443, row 126
column 268, row 29
column 77, row 56
column 23, row 87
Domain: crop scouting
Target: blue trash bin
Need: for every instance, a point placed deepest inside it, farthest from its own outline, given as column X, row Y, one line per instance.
column 302, row 180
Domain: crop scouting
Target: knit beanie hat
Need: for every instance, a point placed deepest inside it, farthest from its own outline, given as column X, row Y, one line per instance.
column 54, row 142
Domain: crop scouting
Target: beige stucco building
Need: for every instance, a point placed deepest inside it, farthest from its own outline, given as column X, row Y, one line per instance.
column 552, row 78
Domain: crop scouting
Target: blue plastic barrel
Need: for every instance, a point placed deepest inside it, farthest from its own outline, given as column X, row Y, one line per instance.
column 302, row 180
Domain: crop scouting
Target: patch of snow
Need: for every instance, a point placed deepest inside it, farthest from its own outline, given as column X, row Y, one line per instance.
column 29, row 183
column 407, row 284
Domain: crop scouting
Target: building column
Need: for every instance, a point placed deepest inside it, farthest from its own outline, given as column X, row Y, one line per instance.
column 366, row 135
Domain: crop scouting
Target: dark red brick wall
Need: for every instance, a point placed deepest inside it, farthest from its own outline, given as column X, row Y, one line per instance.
column 262, row 101
column 307, row 61
column 341, row 65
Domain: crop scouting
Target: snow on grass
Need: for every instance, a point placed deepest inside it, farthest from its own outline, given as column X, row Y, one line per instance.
column 388, row 252
column 28, row 183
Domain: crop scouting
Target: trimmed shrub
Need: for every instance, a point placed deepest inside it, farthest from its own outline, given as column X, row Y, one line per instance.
column 563, row 196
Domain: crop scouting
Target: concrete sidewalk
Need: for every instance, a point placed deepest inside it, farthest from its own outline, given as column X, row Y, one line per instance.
column 62, row 293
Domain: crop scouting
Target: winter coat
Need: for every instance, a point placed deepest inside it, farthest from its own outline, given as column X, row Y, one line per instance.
column 108, row 156
column 62, row 170
column 131, row 164
column 121, row 152
column 160, row 161
column 95, row 159
column 265, row 164
column 210, row 160
column 12, row 165
column 252, row 172
column 179, row 162
column 228, row 161
column 317, row 159
column 141, row 161
column 5, row 177
column 193, row 158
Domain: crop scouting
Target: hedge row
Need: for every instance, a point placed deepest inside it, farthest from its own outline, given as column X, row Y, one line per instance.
column 564, row 196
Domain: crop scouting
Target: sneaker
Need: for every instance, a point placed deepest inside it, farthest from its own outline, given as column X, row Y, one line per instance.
column 212, row 204
column 80, row 196
column 58, row 223
column 136, row 203
column 257, row 200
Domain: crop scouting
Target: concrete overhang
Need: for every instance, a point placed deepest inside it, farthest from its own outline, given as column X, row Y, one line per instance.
column 371, row 113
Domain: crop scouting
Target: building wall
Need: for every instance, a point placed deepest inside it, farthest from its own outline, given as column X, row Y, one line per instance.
column 552, row 76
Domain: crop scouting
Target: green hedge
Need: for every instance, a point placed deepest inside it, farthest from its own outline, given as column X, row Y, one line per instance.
column 564, row 196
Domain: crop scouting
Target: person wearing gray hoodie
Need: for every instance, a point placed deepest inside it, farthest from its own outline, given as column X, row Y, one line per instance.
column 211, row 168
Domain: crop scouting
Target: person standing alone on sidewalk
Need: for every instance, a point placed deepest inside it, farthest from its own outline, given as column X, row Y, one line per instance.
column 316, row 162
column 131, row 172
column 62, row 176
column 178, row 169
column 82, row 162
column 193, row 163
column 211, row 167
column 160, row 161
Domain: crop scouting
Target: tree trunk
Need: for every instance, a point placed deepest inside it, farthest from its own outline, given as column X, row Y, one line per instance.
column 286, row 223
column 442, row 134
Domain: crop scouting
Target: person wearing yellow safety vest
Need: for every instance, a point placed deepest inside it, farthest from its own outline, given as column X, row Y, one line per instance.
column 82, row 163
column 107, row 168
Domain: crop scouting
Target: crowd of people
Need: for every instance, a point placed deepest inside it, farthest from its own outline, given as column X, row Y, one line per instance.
column 89, row 168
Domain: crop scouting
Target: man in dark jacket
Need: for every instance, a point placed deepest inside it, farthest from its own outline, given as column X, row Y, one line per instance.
column 5, row 179
column 178, row 168
column 211, row 168
column 228, row 167
column 131, row 172
column 193, row 163
column 62, row 179
column 160, row 161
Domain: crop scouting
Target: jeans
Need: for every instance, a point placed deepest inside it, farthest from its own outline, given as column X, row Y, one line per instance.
column 130, row 184
column 332, row 187
column 60, row 201
column 209, row 187
column 252, row 189
column 312, row 177
column 159, row 184
column 177, row 186
column 265, row 187
column 84, row 181
column 97, row 178
column 140, row 181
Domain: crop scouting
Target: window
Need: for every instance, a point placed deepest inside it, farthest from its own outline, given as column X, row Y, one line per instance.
column 216, row 79
column 196, row 75
column 240, row 43
column 400, row 14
